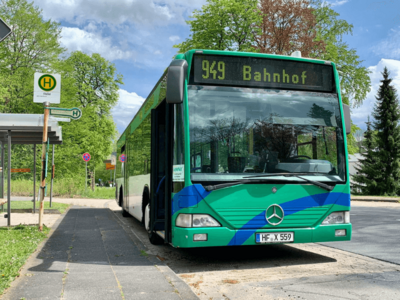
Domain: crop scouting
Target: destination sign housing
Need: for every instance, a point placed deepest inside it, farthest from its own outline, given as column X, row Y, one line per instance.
column 261, row 72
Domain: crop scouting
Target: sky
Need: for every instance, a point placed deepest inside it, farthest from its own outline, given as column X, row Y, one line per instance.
column 138, row 37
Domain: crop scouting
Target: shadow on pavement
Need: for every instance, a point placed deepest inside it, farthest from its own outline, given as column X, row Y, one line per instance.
column 89, row 236
column 89, row 256
column 226, row 258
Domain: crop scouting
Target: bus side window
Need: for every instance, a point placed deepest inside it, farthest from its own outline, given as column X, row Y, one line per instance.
column 197, row 160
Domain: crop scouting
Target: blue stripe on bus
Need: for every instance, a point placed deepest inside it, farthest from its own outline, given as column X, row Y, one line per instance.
column 289, row 208
column 189, row 196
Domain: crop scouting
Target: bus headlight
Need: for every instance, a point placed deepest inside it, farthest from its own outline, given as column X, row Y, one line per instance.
column 338, row 217
column 196, row 220
column 204, row 221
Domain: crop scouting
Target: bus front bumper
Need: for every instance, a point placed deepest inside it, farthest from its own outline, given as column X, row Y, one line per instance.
column 222, row 236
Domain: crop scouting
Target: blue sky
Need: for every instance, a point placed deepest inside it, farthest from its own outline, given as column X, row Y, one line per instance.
column 138, row 35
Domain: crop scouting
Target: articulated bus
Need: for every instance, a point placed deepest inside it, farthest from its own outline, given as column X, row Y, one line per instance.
column 234, row 148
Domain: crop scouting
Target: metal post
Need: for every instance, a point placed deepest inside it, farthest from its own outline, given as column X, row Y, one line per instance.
column 34, row 178
column 115, row 169
column 9, row 180
column 52, row 167
column 86, row 178
column 2, row 171
column 43, row 175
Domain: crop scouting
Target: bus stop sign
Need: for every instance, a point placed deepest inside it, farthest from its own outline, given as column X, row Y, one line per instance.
column 73, row 113
column 5, row 30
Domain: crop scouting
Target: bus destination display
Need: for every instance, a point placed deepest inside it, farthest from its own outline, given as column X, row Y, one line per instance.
column 262, row 72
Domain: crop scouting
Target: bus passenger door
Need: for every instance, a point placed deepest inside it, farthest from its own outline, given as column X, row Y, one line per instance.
column 125, row 202
column 157, row 176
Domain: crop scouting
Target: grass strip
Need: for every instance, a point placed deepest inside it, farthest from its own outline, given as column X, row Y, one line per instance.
column 63, row 188
column 17, row 244
column 61, row 207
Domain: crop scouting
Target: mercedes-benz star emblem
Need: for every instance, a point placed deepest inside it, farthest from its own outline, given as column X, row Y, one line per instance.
column 274, row 214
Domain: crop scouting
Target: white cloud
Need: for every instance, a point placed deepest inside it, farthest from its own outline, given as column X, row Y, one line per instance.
column 174, row 38
column 389, row 47
column 89, row 42
column 338, row 2
column 126, row 108
column 118, row 12
column 360, row 115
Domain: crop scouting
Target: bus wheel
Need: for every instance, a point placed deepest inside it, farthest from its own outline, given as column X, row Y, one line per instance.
column 154, row 238
column 125, row 214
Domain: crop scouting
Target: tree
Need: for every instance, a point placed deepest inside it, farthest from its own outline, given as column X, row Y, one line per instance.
column 287, row 26
column 354, row 78
column 365, row 181
column 223, row 25
column 386, row 114
column 96, row 81
column 89, row 83
column 32, row 46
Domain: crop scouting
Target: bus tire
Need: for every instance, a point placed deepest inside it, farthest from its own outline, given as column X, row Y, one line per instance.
column 154, row 238
column 125, row 214
column 121, row 193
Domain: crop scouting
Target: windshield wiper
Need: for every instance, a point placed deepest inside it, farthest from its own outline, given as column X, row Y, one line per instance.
column 280, row 174
column 317, row 183
column 209, row 188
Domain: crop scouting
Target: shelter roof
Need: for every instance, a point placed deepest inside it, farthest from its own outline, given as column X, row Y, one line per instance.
column 28, row 128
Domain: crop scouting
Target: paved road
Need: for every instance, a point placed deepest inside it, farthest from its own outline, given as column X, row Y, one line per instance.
column 376, row 233
column 89, row 256
column 297, row 271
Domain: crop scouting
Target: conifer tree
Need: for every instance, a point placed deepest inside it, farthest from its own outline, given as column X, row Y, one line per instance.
column 387, row 155
column 365, row 179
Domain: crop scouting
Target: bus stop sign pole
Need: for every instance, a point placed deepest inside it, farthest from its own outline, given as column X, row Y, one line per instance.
column 44, row 162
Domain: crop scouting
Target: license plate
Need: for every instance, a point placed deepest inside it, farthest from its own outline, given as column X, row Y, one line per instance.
column 275, row 237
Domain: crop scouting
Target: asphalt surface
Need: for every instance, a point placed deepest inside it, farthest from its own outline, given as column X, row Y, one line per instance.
column 376, row 233
column 98, row 254
column 90, row 256
column 290, row 271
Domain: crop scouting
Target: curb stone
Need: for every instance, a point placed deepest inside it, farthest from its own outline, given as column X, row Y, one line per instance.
column 374, row 199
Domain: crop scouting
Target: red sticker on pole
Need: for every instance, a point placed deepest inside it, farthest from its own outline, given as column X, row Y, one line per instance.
column 86, row 156
column 122, row 158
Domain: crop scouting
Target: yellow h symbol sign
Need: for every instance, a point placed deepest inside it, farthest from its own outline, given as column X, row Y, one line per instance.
column 47, row 82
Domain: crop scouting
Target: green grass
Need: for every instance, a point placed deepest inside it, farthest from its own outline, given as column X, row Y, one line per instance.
column 29, row 205
column 63, row 188
column 99, row 193
column 17, row 244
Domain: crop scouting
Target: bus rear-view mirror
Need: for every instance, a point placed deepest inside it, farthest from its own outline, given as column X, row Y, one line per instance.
column 176, row 81
column 347, row 119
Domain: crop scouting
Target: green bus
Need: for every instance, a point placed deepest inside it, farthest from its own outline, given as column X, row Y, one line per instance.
column 234, row 148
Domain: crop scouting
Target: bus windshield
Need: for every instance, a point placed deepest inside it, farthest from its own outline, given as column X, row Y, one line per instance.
column 238, row 132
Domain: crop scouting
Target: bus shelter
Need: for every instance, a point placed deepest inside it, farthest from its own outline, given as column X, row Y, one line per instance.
column 24, row 129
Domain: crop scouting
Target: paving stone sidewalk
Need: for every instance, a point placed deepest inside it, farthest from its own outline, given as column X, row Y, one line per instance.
column 90, row 256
